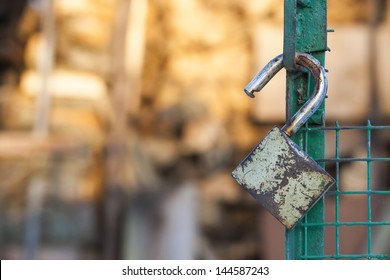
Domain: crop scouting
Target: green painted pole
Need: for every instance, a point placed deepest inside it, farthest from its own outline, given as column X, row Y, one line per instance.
column 308, row 28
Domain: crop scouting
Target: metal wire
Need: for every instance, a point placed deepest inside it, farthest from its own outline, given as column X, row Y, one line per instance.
column 337, row 194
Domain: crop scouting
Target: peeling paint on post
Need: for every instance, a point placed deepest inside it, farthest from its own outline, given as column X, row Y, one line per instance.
column 311, row 37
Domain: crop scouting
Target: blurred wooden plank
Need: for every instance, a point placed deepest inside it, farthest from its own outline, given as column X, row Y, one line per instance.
column 25, row 145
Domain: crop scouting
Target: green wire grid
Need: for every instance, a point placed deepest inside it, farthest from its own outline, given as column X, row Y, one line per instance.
column 337, row 193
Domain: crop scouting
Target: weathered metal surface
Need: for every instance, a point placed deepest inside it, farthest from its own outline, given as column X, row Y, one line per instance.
column 317, row 97
column 282, row 177
column 311, row 37
column 278, row 173
column 290, row 31
column 264, row 76
column 315, row 100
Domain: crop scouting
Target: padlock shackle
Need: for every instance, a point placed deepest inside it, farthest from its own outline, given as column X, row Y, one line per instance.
column 312, row 104
column 264, row 76
column 316, row 98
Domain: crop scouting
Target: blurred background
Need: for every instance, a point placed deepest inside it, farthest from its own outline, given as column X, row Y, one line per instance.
column 121, row 120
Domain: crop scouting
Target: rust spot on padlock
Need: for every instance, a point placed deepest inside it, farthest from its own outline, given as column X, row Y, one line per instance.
column 278, row 173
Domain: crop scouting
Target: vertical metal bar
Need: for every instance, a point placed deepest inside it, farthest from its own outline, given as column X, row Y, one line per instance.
column 337, row 206
column 369, row 216
column 290, row 34
column 311, row 37
column 305, row 219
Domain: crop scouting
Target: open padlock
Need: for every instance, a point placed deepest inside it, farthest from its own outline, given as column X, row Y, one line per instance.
column 278, row 173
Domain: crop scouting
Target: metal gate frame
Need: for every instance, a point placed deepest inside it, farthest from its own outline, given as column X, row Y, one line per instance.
column 305, row 30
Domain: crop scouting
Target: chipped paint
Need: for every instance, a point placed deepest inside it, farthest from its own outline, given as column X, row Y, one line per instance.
column 282, row 177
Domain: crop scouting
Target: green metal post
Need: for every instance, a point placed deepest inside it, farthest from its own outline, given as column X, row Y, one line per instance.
column 309, row 30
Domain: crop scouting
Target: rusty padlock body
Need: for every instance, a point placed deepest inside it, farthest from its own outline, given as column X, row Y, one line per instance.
column 278, row 173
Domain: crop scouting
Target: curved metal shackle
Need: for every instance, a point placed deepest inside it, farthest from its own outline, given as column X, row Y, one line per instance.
column 308, row 109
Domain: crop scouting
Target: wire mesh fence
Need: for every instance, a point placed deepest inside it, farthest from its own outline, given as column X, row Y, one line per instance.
column 342, row 223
